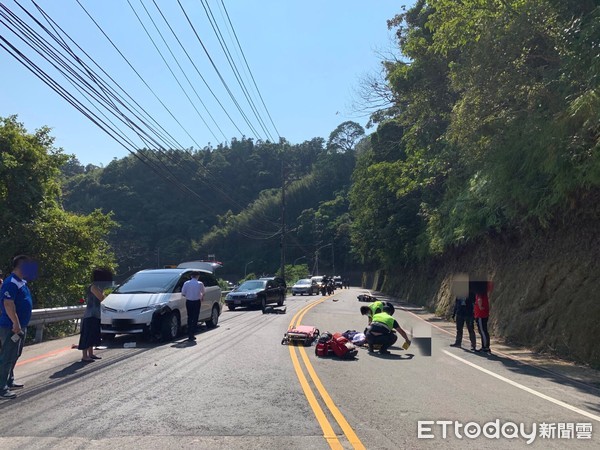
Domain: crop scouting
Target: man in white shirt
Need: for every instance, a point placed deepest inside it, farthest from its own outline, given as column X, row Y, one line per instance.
column 193, row 291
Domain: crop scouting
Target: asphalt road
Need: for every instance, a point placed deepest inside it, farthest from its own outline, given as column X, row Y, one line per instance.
column 238, row 387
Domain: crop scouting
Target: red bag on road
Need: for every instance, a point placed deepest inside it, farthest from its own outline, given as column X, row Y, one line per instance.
column 323, row 347
column 342, row 347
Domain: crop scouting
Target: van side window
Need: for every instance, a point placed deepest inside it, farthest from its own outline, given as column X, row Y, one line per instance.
column 185, row 277
column 207, row 279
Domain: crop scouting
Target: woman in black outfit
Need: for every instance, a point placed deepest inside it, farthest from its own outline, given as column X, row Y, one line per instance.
column 90, row 324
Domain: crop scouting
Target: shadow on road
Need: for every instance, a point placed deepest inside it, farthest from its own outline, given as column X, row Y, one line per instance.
column 395, row 356
column 69, row 370
column 185, row 343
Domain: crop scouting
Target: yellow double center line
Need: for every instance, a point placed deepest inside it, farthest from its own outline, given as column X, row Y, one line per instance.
column 328, row 432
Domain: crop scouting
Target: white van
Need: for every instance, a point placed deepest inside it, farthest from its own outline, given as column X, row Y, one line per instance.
column 150, row 302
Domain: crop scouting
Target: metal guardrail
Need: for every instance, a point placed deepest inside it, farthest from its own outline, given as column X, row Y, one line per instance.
column 41, row 317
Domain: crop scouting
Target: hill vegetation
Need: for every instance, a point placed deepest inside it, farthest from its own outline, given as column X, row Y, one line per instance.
column 234, row 210
column 492, row 124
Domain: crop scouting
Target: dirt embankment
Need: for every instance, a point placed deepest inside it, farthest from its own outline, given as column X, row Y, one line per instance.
column 546, row 287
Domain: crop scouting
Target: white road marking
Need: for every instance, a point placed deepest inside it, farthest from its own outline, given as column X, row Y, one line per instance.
column 526, row 389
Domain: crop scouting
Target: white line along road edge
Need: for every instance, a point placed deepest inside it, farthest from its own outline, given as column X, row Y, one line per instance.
column 526, row 389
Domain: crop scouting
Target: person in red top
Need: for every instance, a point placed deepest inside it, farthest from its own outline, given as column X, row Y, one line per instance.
column 482, row 314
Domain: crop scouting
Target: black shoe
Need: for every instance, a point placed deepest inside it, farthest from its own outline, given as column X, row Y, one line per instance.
column 478, row 350
column 192, row 338
column 95, row 357
column 7, row 394
column 455, row 345
column 383, row 351
column 371, row 349
column 473, row 349
column 16, row 386
column 487, row 350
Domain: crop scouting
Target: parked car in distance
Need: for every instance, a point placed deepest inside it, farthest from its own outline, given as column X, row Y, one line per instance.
column 338, row 281
column 150, row 302
column 305, row 286
column 255, row 293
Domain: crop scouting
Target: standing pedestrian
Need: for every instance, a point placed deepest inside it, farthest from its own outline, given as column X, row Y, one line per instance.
column 15, row 312
column 463, row 314
column 193, row 291
column 482, row 314
column 90, row 335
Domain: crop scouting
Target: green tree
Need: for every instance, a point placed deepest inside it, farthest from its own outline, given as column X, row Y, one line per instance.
column 345, row 137
column 67, row 245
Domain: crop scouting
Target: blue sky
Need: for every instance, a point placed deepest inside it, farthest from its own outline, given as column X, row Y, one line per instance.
column 306, row 56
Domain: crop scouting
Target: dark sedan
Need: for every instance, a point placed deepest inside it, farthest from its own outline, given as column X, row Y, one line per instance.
column 255, row 293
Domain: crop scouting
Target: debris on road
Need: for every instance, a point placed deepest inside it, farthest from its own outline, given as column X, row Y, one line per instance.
column 272, row 310
column 301, row 334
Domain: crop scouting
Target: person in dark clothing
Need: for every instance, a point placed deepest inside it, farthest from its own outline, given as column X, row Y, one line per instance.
column 90, row 335
column 463, row 313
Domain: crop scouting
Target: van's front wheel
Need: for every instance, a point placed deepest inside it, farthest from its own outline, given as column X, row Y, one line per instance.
column 214, row 317
column 170, row 327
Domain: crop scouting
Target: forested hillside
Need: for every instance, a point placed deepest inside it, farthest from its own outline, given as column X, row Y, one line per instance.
column 493, row 124
column 487, row 160
column 233, row 206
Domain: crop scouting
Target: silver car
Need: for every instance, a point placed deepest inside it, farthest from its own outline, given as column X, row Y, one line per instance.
column 305, row 286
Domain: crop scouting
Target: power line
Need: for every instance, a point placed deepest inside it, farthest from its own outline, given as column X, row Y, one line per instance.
column 19, row 25
column 233, row 66
column 235, row 102
column 74, row 77
column 137, row 73
column 144, row 139
column 98, row 79
column 176, row 61
column 196, row 67
column 248, row 67
column 173, row 73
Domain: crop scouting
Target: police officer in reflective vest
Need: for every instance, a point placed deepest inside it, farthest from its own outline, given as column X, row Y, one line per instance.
column 381, row 331
column 375, row 308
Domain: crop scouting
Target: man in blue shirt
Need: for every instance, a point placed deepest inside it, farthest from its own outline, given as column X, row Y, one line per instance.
column 15, row 312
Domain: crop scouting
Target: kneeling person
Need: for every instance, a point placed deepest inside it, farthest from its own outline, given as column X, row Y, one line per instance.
column 381, row 331
column 374, row 308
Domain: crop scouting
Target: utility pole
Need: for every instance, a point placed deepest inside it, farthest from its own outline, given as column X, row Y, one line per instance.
column 332, row 260
column 282, row 243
